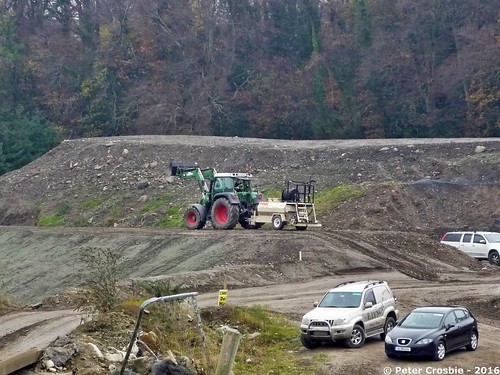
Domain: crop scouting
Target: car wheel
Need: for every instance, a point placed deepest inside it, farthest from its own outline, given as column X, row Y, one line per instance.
column 390, row 322
column 440, row 351
column 473, row 342
column 357, row 338
column 494, row 258
column 310, row 344
column 393, row 356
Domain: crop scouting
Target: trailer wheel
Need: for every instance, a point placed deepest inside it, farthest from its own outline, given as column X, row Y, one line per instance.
column 278, row 223
column 192, row 218
column 224, row 214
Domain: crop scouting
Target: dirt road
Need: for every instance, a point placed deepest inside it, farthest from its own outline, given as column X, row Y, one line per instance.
column 294, row 299
column 24, row 335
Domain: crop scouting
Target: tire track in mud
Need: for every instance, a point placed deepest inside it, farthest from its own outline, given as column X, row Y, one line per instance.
column 417, row 265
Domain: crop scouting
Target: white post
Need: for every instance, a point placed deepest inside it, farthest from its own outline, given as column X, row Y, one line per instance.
column 229, row 348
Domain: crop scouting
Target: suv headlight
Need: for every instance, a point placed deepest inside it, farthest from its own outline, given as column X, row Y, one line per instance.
column 388, row 339
column 340, row 321
column 305, row 320
column 424, row 342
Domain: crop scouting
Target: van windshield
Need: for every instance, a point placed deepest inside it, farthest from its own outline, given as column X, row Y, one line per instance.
column 493, row 237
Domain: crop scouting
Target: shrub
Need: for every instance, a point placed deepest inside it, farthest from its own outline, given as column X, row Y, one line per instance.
column 101, row 286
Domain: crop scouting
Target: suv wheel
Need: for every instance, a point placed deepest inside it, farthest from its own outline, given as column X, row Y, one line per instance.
column 357, row 338
column 389, row 324
column 310, row 344
column 494, row 258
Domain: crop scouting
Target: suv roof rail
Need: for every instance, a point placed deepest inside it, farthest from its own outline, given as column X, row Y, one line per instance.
column 345, row 283
column 374, row 283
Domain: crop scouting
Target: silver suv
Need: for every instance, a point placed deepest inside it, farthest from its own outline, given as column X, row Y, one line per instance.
column 350, row 313
column 479, row 245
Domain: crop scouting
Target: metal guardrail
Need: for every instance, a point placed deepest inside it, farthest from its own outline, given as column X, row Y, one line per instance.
column 173, row 297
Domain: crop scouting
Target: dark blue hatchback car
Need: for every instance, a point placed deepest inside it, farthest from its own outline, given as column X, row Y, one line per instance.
column 432, row 332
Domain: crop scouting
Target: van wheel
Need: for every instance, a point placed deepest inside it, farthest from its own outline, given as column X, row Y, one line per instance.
column 357, row 338
column 493, row 258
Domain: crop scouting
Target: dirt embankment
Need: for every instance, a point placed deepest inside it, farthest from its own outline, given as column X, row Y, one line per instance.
column 413, row 190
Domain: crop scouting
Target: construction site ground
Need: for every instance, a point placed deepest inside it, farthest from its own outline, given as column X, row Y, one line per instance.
column 413, row 191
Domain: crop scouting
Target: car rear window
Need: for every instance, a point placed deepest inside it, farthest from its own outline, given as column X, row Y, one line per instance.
column 452, row 237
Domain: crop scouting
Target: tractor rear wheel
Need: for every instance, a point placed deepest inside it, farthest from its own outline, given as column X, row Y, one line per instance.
column 224, row 214
column 193, row 219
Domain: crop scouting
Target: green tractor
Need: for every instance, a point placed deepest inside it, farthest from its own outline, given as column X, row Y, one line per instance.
column 227, row 198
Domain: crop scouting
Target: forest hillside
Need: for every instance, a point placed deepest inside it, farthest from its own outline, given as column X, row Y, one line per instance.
column 290, row 69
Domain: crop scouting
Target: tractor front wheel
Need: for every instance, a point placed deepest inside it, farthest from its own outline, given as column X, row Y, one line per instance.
column 193, row 219
column 224, row 214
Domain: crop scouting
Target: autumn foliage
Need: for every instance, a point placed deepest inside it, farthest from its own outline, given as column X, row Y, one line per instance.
column 295, row 69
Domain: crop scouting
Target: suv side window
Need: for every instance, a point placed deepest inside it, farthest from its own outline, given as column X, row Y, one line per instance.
column 370, row 297
column 381, row 293
column 478, row 238
column 452, row 237
column 467, row 237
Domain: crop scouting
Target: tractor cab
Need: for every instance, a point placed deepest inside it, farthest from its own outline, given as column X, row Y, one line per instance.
column 240, row 185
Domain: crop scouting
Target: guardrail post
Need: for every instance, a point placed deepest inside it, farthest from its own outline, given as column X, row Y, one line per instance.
column 229, row 348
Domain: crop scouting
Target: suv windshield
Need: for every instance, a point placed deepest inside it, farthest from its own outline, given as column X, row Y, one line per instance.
column 341, row 299
column 493, row 237
column 422, row 320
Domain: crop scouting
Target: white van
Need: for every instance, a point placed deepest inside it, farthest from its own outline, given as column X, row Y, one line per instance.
column 479, row 245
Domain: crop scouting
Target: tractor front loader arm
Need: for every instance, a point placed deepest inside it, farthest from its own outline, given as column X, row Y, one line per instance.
column 187, row 171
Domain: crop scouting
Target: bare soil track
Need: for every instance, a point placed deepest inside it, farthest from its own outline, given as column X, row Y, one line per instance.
column 413, row 191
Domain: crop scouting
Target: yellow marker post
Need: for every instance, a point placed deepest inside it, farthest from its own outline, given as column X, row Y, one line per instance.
column 222, row 297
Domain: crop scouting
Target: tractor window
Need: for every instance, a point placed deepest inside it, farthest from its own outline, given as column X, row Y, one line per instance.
column 224, row 184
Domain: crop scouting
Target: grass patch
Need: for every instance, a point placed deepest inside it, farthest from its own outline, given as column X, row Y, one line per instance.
column 173, row 218
column 56, row 219
column 93, row 202
column 160, row 288
column 271, row 192
column 330, row 199
column 5, row 300
column 268, row 345
column 155, row 205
